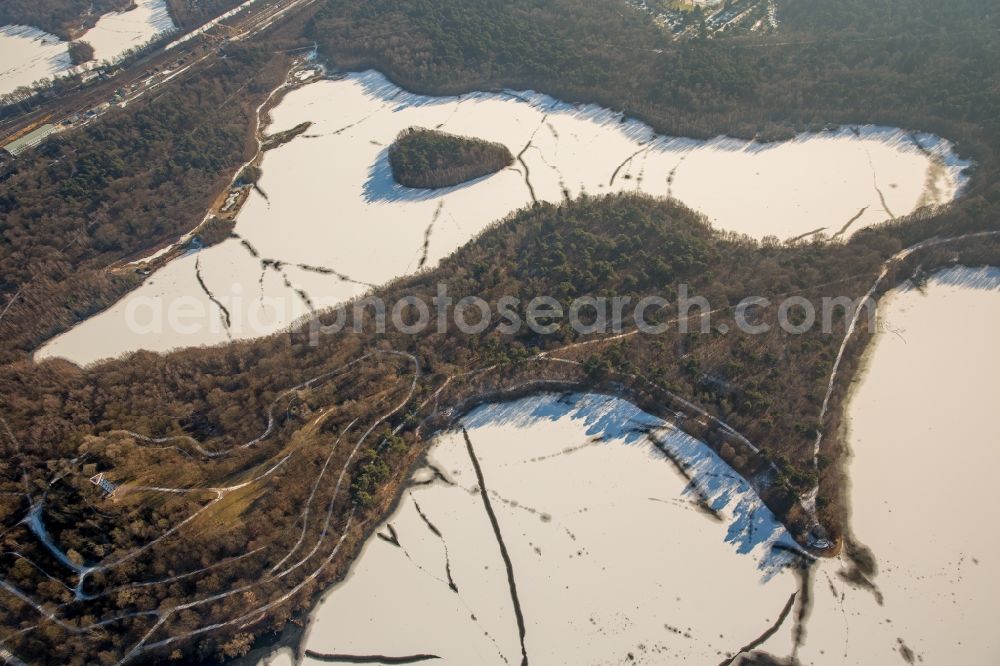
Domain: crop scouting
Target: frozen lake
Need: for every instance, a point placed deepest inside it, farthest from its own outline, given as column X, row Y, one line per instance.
column 329, row 201
column 609, row 550
column 28, row 54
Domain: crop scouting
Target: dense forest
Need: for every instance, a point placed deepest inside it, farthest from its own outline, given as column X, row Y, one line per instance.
column 80, row 52
column 917, row 64
column 169, row 563
column 189, row 14
column 431, row 159
column 64, row 18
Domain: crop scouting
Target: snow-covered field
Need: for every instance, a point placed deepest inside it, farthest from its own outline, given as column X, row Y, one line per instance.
column 610, row 553
column 28, row 54
column 331, row 201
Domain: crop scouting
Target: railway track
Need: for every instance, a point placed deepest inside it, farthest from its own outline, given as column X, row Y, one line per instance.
column 173, row 60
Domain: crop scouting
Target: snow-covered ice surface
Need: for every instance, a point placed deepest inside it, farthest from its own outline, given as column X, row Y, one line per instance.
column 331, row 201
column 28, row 54
column 118, row 32
column 610, row 553
column 926, row 452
